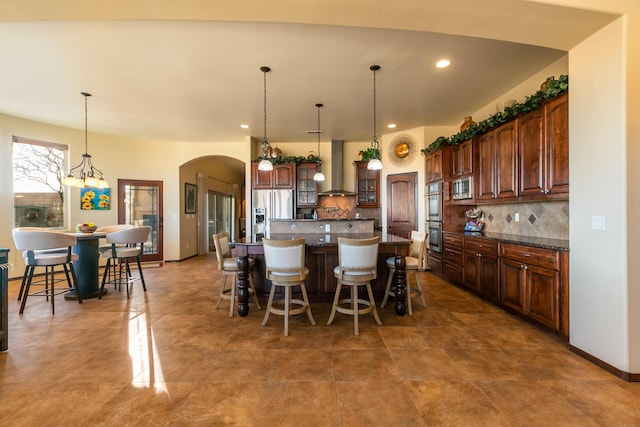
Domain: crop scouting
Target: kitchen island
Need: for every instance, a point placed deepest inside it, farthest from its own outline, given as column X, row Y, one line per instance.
column 321, row 253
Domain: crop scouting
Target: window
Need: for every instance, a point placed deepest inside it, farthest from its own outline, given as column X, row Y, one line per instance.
column 38, row 193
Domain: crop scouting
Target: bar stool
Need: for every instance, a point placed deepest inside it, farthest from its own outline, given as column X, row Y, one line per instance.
column 36, row 245
column 284, row 261
column 358, row 260
column 126, row 245
column 229, row 266
column 413, row 263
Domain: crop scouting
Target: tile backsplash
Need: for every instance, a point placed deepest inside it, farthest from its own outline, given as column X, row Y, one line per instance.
column 535, row 219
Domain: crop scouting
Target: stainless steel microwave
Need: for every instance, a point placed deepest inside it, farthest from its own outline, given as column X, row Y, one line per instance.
column 462, row 188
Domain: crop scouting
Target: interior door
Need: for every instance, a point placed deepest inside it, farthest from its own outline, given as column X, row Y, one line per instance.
column 218, row 215
column 140, row 203
column 402, row 216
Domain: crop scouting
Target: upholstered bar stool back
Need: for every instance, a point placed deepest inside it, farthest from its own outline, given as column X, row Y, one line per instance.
column 413, row 264
column 126, row 245
column 43, row 249
column 285, row 267
column 357, row 267
column 229, row 266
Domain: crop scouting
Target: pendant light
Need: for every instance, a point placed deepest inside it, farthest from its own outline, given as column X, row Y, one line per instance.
column 319, row 176
column 375, row 163
column 86, row 172
column 265, row 164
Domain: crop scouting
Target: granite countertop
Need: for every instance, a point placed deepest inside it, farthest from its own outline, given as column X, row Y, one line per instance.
column 538, row 242
column 329, row 239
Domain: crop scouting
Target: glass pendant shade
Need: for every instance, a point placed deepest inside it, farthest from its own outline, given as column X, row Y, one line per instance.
column 265, row 165
column 318, row 177
column 374, row 165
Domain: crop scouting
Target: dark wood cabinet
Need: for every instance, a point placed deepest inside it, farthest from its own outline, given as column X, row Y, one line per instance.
column 283, row 176
column 306, row 187
column 453, row 257
column 497, row 163
column 530, row 282
column 433, row 166
column 544, row 151
column 462, row 159
column 367, row 186
column 481, row 272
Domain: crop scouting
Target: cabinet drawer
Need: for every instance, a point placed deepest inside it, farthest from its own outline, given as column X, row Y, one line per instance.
column 452, row 240
column 453, row 271
column 481, row 246
column 545, row 258
column 453, row 255
column 434, row 261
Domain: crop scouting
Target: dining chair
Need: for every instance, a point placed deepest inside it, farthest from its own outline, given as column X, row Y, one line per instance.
column 43, row 249
column 228, row 264
column 285, row 268
column 413, row 263
column 358, row 259
column 126, row 245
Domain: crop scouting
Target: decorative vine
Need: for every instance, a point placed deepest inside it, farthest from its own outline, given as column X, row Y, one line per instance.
column 554, row 89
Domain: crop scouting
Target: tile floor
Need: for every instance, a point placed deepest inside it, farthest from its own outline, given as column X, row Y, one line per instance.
column 168, row 357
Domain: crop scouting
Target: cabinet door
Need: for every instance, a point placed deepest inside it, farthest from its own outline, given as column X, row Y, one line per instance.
column 472, row 261
column 486, row 167
column 466, row 157
column 428, row 168
column 557, row 140
column 512, row 283
column 506, row 166
column 531, row 154
column 437, row 165
column 456, row 160
column 488, row 278
column 261, row 179
column 367, row 185
column 284, row 176
column 306, row 187
column 542, row 299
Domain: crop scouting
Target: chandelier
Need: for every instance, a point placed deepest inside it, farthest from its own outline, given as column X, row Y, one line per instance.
column 265, row 164
column 85, row 174
column 319, row 176
column 374, row 163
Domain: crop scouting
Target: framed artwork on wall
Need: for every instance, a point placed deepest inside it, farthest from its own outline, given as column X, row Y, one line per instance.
column 190, row 198
column 95, row 199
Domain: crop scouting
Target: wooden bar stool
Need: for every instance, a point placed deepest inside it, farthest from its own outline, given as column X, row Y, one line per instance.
column 284, row 260
column 358, row 260
column 413, row 264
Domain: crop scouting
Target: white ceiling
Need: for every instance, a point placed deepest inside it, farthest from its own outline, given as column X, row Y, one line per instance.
column 198, row 80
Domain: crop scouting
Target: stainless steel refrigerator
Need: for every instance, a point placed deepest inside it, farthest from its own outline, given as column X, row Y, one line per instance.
column 267, row 205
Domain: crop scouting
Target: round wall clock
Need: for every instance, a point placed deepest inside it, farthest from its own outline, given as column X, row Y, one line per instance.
column 402, row 150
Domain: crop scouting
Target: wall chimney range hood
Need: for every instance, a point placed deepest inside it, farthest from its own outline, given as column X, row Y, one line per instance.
column 336, row 171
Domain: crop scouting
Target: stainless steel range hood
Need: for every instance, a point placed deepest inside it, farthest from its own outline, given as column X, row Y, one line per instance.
column 336, row 171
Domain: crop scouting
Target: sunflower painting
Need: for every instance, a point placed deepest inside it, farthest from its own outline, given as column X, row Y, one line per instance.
column 95, row 199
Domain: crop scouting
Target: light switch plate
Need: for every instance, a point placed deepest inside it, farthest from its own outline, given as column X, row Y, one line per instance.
column 598, row 222
column 327, row 228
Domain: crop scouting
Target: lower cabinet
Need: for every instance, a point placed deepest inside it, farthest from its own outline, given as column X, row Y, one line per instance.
column 481, row 267
column 530, row 283
column 453, row 256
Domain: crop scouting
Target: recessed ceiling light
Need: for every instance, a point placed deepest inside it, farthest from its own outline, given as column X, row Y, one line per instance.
column 391, row 125
column 244, row 126
column 443, row 63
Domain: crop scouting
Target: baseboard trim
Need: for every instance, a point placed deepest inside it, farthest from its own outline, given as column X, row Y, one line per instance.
column 626, row 376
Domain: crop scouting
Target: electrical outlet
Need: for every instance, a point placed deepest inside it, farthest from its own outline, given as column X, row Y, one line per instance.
column 516, row 217
column 598, row 222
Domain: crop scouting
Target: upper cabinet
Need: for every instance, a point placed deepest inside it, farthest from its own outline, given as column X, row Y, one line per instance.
column 433, row 166
column 367, row 185
column 462, row 159
column 527, row 158
column 544, row 151
column 306, row 188
column 283, row 176
column 497, row 163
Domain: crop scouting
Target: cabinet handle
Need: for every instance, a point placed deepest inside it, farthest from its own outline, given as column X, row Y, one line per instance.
column 523, row 266
column 526, row 254
column 479, row 255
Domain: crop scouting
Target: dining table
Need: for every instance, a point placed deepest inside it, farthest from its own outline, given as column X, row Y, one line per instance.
column 87, row 265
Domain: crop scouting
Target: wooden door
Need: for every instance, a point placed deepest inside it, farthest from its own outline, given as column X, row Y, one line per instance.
column 140, row 203
column 401, row 204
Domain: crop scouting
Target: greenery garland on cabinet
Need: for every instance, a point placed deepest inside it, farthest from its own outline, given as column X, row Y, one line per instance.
column 554, row 89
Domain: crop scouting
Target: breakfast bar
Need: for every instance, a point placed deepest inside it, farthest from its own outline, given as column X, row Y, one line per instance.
column 321, row 253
